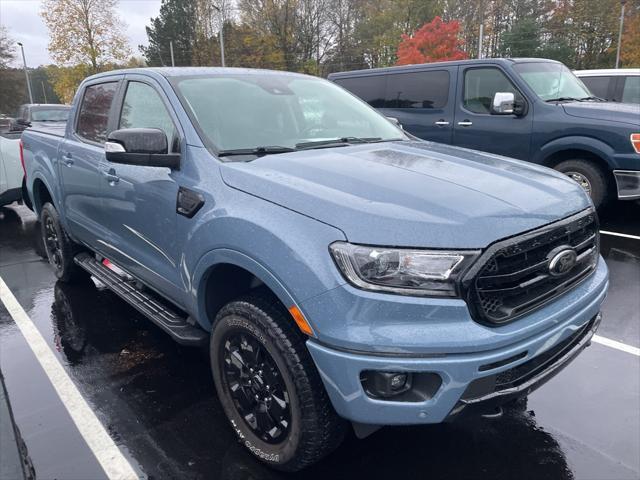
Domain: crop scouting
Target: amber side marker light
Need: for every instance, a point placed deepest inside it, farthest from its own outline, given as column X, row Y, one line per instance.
column 302, row 323
column 635, row 141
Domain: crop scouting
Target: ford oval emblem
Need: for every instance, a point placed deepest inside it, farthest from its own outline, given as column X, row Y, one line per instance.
column 562, row 262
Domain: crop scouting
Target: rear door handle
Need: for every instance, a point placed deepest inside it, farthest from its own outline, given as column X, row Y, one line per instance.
column 465, row 123
column 442, row 123
column 110, row 176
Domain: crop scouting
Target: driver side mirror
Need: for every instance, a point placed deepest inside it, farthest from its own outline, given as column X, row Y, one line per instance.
column 396, row 122
column 503, row 103
column 145, row 147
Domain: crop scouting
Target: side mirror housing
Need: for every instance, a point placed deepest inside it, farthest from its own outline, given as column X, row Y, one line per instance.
column 396, row 122
column 145, row 147
column 503, row 103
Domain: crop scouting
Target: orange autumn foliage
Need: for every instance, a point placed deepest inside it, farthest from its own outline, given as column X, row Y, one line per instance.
column 436, row 41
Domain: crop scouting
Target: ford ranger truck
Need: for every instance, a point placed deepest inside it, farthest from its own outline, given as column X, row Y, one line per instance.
column 340, row 270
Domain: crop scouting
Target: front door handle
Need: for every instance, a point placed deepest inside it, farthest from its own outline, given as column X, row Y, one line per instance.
column 465, row 123
column 68, row 159
column 110, row 176
column 442, row 123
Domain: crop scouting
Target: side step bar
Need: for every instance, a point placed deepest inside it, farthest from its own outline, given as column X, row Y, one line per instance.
column 147, row 303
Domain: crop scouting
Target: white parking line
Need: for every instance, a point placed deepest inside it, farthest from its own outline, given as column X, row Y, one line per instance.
column 618, row 234
column 112, row 460
column 617, row 345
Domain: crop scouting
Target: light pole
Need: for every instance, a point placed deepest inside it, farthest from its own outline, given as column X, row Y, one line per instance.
column 26, row 73
column 622, row 2
column 221, row 33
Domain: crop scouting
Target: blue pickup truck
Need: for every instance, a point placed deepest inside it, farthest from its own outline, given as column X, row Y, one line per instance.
column 527, row 108
column 338, row 269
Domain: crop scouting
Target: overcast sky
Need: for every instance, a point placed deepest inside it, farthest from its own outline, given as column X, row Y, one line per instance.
column 25, row 25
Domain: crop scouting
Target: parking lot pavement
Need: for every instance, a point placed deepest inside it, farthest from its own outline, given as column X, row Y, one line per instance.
column 157, row 401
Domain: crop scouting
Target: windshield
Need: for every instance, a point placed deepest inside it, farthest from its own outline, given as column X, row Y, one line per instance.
column 253, row 111
column 49, row 115
column 552, row 81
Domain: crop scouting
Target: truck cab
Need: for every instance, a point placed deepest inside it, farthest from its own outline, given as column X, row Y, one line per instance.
column 531, row 109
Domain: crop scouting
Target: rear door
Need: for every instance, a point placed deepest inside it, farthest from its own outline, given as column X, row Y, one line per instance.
column 475, row 127
column 140, row 201
column 79, row 158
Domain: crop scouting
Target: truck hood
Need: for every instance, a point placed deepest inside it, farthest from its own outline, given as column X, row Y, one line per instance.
column 614, row 112
column 418, row 194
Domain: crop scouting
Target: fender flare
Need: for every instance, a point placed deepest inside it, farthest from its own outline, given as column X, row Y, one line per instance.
column 37, row 175
column 588, row 144
column 198, row 281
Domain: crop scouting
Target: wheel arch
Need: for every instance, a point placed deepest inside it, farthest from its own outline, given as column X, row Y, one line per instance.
column 568, row 148
column 41, row 195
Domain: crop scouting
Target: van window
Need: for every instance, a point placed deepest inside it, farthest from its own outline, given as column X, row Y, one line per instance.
column 94, row 111
column 371, row 88
column 480, row 86
column 631, row 91
column 143, row 108
column 599, row 86
column 428, row 89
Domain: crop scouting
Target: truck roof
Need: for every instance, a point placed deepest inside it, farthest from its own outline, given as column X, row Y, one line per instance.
column 419, row 66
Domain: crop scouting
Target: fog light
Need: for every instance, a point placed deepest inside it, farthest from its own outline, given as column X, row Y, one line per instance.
column 385, row 384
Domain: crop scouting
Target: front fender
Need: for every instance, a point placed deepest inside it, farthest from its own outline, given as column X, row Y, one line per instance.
column 589, row 144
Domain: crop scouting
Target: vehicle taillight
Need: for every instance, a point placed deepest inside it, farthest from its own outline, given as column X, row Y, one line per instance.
column 22, row 158
column 635, row 141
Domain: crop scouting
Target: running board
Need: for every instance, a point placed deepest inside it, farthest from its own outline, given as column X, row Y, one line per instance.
column 147, row 303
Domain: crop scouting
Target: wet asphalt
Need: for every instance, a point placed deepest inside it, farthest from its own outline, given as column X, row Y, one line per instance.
column 157, row 399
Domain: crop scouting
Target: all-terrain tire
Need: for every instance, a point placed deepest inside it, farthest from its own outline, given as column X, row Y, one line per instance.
column 314, row 429
column 589, row 171
column 60, row 249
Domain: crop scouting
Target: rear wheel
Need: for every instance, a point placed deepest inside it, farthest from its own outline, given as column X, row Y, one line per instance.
column 589, row 176
column 59, row 248
column 269, row 386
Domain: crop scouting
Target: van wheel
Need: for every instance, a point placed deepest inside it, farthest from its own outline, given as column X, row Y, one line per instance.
column 589, row 176
column 59, row 247
column 269, row 386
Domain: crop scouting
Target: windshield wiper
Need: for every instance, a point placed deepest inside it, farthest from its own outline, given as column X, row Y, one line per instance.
column 564, row 99
column 266, row 150
column 336, row 142
column 597, row 99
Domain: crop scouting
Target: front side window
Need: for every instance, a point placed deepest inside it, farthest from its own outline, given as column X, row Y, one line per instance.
column 552, row 81
column 631, row 91
column 94, row 111
column 143, row 108
column 481, row 85
column 418, row 89
column 249, row 111
column 599, row 86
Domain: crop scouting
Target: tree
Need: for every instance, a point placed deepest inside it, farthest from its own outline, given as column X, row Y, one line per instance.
column 433, row 42
column 85, row 32
column 630, row 49
column 523, row 40
column 12, row 83
column 6, row 48
column 175, row 23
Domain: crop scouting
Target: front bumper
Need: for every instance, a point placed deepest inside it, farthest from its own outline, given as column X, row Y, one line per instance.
column 461, row 372
column 628, row 184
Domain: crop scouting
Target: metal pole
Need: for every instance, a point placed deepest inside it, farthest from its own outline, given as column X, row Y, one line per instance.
column 26, row 73
column 43, row 91
column 481, row 31
column 221, row 33
column 173, row 64
column 622, row 2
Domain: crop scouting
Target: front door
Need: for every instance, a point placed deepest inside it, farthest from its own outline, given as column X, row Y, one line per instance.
column 79, row 159
column 475, row 127
column 140, row 201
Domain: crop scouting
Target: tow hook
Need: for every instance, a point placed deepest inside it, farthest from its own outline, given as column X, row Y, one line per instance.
column 495, row 413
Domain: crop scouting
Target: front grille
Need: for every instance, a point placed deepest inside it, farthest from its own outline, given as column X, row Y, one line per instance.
column 513, row 276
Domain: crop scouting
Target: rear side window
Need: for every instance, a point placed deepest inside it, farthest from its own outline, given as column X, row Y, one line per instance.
column 631, row 90
column 143, row 108
column 418, row 89
column 599, row 86
column 480, row 86
column 371, row 88
column 94, row 111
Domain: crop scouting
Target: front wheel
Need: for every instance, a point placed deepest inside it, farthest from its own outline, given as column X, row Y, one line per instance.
column 589, row 176
column 269, row 386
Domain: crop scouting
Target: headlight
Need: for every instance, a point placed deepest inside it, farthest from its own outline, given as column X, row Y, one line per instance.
column 402, row 271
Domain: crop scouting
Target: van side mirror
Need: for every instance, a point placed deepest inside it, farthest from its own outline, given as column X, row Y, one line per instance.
column 396, row 122
column 503, row 103
column 146, row 147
